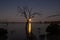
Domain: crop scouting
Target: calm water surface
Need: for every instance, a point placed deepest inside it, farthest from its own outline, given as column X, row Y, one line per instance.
column 19, row 30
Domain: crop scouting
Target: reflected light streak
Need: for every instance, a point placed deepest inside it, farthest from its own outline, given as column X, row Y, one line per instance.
column 29, row 26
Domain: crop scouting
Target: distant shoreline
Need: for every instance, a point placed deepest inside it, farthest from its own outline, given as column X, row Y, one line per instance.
column 46, row 22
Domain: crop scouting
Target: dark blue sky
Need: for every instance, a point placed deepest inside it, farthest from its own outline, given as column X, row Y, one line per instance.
column 8, row 9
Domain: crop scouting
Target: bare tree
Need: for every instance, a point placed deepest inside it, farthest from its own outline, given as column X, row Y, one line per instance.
column 27, row 13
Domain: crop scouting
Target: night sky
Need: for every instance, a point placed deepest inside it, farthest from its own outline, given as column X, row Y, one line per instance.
column 8, row 9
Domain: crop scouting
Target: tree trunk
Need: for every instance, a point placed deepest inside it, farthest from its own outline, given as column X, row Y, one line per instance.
column 28, row 35
column 26, row 29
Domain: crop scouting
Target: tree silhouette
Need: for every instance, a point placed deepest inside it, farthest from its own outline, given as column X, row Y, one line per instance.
column 54, row 31
column 53, row 28
column 27, row 13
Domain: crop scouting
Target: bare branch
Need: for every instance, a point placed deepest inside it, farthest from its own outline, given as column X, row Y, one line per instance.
column 35, row 13
column 30, row 12
column 52, row 16
column 19, row 9
column 58, row 14
column 25, row 15
column 26, row 12
column 22, row 11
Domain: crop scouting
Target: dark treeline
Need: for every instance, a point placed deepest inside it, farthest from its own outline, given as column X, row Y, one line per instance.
column 45, row 22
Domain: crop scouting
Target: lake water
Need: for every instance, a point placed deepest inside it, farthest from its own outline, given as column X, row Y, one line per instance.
column 19, row 30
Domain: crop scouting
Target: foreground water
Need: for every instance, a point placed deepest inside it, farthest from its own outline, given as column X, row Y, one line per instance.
column 16, row 31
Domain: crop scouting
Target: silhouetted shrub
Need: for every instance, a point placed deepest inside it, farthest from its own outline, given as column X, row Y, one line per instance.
column 53, row 28
column 3, row 34
column 54, row 32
